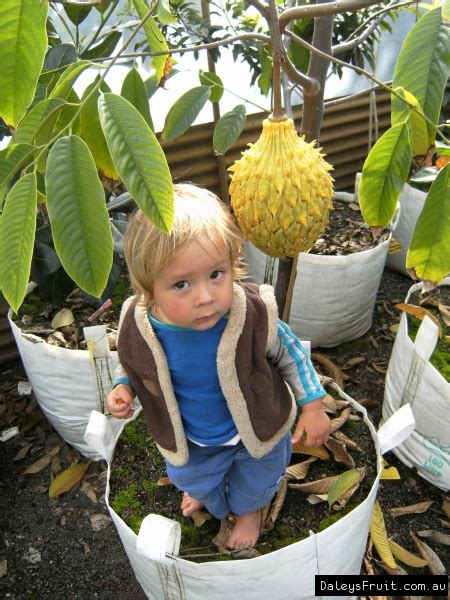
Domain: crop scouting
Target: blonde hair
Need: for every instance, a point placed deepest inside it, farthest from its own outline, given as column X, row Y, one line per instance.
column 198, row 212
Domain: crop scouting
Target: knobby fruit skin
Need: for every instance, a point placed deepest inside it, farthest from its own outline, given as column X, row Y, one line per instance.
column 281, row 190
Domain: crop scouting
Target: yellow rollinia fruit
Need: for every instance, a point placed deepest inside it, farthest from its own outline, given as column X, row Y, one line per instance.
column 281, row 190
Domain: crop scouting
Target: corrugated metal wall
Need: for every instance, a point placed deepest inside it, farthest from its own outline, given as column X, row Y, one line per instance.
column 344, row 139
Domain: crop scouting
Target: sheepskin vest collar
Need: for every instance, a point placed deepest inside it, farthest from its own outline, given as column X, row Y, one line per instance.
column 260, row 403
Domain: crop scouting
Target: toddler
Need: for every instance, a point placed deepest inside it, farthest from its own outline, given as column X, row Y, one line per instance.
column 208, row 359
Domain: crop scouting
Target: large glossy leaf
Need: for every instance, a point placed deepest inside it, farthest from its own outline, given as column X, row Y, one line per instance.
column 78, row 214
column 422, row 65
column 214, row 82
column 60, row 56
column 12, row 158
column 67, row 479
column 156, row 40
column 184, row 112
column 429, row 251
column 134, row 90
column 228, row 128
column 384, row 174
column 164, row 14
column 17, row 231
column 36, row 119
column 23, row 43
column 104, row 48
column 138, row 158
column 417, row 125
column 67, row 78
column 92, row 132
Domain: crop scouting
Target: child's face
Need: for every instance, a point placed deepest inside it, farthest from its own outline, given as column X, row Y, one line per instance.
column 195, row 289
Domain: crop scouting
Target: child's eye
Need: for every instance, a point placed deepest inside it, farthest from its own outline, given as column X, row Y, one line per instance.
column 181, row 285
column 217, row 274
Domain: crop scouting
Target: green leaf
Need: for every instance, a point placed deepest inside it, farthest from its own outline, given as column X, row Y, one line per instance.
column 104, row 48
column 265, row 79
column 384, row 173
column 343, row 483
column 78, row 215
column 417, row 125
column 12, row 158
column 228, row 129
column 429, row 251
column 67, row 78
column 156, row 40
column 23, row 43
column 92, row 132
column 77, row 14
column 67, row 479
column 422, row 66
column 60, row 56
column 214, row 82
column 442, row 149
column 138, row 158
column 134, row 90
column 36, row 119
column 17, row 231
column 184, row 112
column 164, row 15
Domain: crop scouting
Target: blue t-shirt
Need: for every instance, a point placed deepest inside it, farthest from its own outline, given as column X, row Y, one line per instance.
column 191, row 356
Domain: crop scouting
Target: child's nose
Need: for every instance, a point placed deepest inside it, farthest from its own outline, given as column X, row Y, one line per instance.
column 204, row 295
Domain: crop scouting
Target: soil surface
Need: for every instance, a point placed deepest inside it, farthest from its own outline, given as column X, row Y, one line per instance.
column 68, row 547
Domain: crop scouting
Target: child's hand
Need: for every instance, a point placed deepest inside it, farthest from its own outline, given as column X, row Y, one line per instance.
column 315, row 423
column 120, row 401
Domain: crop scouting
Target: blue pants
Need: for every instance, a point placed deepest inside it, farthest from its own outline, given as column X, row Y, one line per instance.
column 227, row 479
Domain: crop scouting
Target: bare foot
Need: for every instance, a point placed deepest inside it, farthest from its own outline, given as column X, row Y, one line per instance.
column 245, row 533
column 190, row 505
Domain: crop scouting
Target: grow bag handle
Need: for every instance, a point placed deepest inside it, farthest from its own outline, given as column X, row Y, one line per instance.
column 159, row 538
column 396, row 429
column 99, row 435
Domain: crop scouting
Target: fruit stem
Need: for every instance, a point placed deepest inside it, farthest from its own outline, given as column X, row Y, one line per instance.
column 274, row 26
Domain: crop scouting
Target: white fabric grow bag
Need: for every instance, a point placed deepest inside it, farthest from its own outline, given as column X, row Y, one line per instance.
column 334, row 296
column 285, row 574
column 68, row 384
column 412, row 380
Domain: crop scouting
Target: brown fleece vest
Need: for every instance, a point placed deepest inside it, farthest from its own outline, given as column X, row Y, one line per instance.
column 260, row 403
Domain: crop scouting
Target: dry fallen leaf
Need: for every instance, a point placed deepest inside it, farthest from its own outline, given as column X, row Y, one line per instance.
column 389, row 472
column 220, row 540
column 43, row 462
column 446, row 506
column 445, row 313
column 299, row 470
column 406, row 557
column 435, row 536
column 379, row 537
column 339, row 452
column 200, row 517
column 67, row 479
column 276, row 506
column 347, row 441
column 164, row 481
column 300, row 447
column 23, row 451
column 3, row 567
column 88, row 489
column 338, row 375
column 62, row 318
column 420, row 507
column 340, row 420
column 434, row 562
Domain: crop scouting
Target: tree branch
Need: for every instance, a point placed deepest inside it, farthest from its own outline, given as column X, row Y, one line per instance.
column 276, row 59
column 321, row 10
column 370, row 76
column 310, row 85
column 351, row 44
